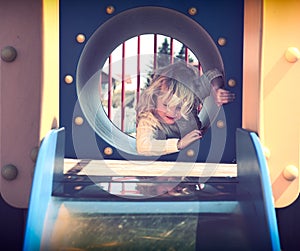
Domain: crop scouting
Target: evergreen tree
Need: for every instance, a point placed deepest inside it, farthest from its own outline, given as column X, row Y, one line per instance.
column 163, row 55
column 162, row 59
column 181, row 54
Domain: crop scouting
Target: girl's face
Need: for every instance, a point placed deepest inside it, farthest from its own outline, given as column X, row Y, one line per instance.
column 169, row 114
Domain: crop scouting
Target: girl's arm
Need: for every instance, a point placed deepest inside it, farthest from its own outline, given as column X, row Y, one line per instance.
column 147, row 145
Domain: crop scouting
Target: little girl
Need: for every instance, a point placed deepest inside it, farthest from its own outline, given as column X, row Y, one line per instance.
column 167, row 113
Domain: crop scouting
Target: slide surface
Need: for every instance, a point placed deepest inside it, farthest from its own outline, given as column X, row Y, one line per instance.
column 68, row 212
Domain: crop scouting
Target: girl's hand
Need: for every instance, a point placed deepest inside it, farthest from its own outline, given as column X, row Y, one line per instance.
column 189, row 138
column 223, row 96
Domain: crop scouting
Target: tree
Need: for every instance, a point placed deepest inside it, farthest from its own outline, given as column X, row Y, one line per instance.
column 181, row 54
column 163, row 55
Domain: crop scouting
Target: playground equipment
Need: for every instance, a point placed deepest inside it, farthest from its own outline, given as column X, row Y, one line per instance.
column 262, row 74
column 72, row 209
column 195, row 200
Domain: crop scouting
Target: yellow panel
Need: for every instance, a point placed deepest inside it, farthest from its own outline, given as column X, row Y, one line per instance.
column 50, row 93
column 280, row 114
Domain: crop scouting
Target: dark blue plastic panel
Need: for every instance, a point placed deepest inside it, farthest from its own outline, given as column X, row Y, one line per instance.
column 219, row 18
column 254, row 192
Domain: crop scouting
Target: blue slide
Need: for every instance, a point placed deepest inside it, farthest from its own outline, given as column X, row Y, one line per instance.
column 71, row 212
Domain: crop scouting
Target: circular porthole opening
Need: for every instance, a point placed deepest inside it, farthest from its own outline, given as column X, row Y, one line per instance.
column 93, row 67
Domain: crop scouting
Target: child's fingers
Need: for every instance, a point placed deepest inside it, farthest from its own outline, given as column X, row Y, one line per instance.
column 194, row 135
column 224, row 96
column 225, row 93
column 189, row 138
column 197, row 133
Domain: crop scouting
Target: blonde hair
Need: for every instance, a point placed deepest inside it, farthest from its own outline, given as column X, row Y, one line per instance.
column 176, row 94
